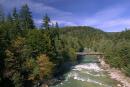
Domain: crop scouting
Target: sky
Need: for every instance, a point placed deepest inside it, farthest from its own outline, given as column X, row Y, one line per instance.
column 107, row 15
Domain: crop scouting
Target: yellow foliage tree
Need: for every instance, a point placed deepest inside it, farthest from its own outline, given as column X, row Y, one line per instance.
column 72, row 55
column 45, row 66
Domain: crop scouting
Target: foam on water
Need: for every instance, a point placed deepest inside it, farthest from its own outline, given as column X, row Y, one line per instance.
column 76, row 76
column 88, row 66
column 89, row 73
column 85, row 68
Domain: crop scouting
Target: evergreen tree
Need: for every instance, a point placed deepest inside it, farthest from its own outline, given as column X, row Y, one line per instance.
column 1, row 14
column 26, row 18
column 16, row 21
column 57, row 30
column 15, row 14
column 15, row 17
column 46, row 22
column 9, row 18
column 57, row 26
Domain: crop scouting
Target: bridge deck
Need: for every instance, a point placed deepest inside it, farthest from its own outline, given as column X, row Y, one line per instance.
column 84, row 53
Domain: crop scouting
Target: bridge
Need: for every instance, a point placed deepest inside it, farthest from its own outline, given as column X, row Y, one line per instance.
column 97, row 54
column 89, row 53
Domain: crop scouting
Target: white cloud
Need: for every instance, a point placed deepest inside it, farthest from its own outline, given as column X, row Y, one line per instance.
column 64, row 23
column 60, row 22
column 39, row 9
column 38, row 21
column 36, row 7
column 109, row 19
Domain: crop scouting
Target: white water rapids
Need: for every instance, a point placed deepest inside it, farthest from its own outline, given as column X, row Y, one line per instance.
column 87, row 75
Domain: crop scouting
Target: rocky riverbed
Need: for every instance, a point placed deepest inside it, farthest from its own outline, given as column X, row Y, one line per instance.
column 116, row 74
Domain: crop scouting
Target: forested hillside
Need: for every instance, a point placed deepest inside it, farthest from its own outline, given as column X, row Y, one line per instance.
column 29, row 54
column 115, row 46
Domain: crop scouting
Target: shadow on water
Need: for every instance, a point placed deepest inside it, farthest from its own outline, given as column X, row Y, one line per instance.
column 62, row 70
column 88, row 59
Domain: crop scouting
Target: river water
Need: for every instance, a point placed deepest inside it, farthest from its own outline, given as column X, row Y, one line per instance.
column 87, row 74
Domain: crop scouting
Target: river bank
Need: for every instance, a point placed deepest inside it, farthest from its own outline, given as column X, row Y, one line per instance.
column 116, row 74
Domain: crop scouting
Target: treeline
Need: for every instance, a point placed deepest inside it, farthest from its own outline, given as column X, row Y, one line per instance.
column 27, row 54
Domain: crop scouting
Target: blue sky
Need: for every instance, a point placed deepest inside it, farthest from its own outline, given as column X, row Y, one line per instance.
column 108, row 15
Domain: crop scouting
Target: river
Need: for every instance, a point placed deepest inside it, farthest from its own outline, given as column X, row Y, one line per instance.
column 87, row 74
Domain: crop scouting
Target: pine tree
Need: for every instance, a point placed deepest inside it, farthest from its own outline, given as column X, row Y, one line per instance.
column 46, row 22
column 57, row 30
column 26, row 18
column 15, row 14
column 1, row 14
column 9, row 18
column 57, row 26
column 15, row 17
column 16, row 21
column 51, row 33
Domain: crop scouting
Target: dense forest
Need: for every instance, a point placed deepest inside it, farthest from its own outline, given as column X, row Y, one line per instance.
column 29, row 54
